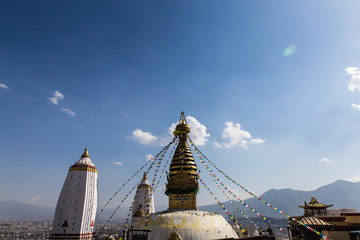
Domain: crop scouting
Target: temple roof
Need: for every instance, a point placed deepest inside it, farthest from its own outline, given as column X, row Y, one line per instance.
column 314, row 221
column 314, row 203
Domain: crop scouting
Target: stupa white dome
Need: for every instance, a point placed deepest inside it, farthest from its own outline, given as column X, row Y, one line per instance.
column 189, row 225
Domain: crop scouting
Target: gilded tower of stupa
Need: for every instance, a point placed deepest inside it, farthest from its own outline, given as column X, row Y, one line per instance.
column 183, row 220
column 183, row 177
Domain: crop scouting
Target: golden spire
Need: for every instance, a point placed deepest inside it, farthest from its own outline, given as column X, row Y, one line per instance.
column 183, row 158
column 85, row 154
column 182, row 183
column 144, row 178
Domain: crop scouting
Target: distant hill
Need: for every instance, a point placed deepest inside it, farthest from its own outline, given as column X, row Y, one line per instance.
column 342, row 194
column 11, row 210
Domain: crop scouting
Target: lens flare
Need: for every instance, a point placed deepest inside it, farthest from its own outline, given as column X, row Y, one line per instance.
column 290, row 50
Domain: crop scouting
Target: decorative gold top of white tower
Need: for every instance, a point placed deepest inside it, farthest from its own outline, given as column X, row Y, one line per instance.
column 144, row 182
column 85, row 159
column 85, row 154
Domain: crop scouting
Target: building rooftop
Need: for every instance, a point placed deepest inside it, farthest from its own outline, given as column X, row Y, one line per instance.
column 314, row 203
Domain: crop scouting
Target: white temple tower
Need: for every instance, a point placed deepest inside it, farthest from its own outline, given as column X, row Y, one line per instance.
column 76, row 208
column 144, row 192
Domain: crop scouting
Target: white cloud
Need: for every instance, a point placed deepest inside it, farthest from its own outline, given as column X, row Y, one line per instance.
column 218, row 145
column 57, row 96
column 149, row 157
column 236, row 137
column 355, row 106
column 256, row 141
column 68, row 111
column 118, row 163
column 354, row 84
column 354, row 178
column 144, row 137
column 325, row 160
column 198, row 134
column 4, row 86
column 34, row 198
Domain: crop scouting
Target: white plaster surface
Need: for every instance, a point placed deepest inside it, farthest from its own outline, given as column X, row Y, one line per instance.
column 189, row 224
column 77, row 203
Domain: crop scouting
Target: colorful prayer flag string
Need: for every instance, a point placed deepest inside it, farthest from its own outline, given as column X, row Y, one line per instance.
column 154, row 181
column 160, row 155
column 117, row 191
column 232, row 202
column 252, row 209
column 122, row 201
column 152, row 161
column 217, row 200
column 255, row 196
column 213, row 176
column 167, row 162
column 128, row 216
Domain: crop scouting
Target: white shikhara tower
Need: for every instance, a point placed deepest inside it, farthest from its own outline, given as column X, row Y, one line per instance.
column 144, row 192
column 76, row 208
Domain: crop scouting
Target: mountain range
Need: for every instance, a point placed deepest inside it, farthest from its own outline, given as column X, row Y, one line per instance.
column 11, row 210
column 342, row 194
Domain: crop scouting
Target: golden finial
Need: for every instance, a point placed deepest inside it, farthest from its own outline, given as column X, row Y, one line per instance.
column 182, row 127
column 182, row 118
column 85, row 154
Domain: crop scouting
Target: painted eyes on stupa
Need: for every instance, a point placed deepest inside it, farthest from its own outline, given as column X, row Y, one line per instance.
column 181, row 199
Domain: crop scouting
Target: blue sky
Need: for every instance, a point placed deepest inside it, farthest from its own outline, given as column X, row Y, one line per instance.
column 115, row 75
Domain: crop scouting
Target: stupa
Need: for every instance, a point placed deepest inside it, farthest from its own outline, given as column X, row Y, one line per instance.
column 182, row 220
column 76, row 207
column 144, row 192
